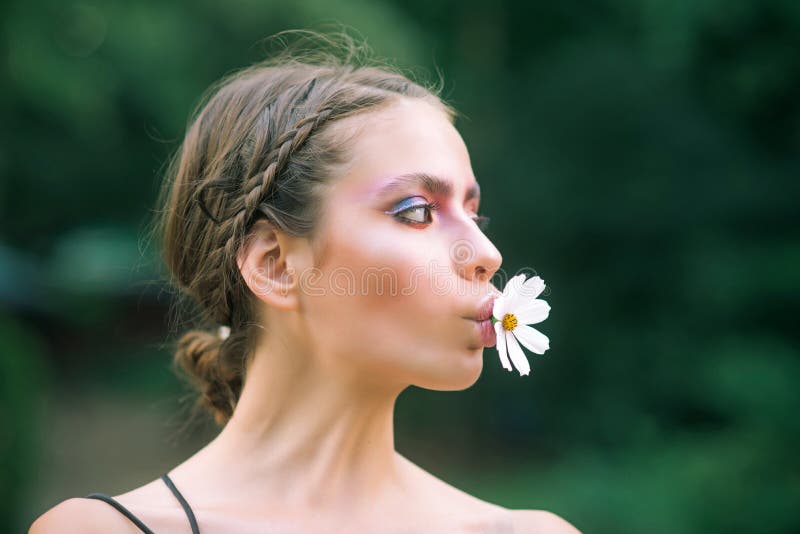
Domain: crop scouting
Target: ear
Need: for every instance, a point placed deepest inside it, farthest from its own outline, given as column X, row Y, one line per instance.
column 271, row 263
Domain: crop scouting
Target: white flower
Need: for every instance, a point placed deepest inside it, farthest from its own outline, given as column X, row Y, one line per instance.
column 516, row 308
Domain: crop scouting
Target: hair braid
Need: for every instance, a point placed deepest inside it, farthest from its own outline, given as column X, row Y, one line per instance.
column 255, row 191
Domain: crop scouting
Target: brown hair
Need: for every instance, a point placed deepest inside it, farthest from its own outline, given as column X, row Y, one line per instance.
column 259, row 145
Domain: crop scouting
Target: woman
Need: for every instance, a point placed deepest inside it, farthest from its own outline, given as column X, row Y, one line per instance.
column 323, row 218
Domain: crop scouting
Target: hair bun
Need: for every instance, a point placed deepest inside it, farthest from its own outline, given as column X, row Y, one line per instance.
column 198, row 356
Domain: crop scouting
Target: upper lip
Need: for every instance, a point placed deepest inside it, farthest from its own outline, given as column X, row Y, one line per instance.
column 485, row 309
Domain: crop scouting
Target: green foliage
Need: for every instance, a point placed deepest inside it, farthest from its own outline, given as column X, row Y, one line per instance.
column 23, row 378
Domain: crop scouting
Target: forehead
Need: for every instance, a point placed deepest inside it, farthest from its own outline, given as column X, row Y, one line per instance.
column 408, row 137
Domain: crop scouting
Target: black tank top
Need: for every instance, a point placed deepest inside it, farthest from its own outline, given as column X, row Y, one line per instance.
column 136, row 521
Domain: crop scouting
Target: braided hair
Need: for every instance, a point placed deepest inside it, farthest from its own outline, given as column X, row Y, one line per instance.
column 260, row 145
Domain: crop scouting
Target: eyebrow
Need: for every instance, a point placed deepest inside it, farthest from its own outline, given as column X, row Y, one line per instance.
column 434, row 185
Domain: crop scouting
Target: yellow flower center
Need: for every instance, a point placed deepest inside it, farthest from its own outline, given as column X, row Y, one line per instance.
column 509, row 321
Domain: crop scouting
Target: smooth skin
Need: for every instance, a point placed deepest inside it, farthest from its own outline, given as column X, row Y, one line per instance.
column 310, row 446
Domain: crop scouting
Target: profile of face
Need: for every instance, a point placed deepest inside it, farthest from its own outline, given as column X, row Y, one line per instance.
column 393, row 297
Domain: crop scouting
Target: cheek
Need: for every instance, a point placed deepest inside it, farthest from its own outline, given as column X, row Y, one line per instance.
column 372, row 276
column 377, row 288
column 401, row 334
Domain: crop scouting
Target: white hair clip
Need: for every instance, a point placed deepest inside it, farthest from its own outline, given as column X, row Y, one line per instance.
column 223, row 332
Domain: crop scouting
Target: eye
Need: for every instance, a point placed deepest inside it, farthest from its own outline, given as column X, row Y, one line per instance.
column 417, row 212
column 421, row 214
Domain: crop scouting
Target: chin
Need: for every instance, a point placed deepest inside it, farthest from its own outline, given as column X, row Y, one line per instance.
column 457, row 377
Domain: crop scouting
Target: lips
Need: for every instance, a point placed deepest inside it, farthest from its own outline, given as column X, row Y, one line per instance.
column 488, row 336
column 485, row 311
column 483, row 322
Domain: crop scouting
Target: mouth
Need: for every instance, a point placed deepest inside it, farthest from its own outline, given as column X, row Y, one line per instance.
column 486, row 332
column 485, row 311
column 483, row 322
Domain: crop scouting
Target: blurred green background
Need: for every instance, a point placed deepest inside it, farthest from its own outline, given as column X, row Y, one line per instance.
column 641, row 156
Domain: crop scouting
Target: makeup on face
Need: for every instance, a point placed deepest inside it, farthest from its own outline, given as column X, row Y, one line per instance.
column 433, row 185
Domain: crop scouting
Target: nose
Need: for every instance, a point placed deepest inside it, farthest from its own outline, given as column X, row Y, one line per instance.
column 475, row 257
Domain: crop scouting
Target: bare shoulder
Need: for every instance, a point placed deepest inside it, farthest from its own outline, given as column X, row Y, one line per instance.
column 540, row 521
column 80, row 515
column 435, row 490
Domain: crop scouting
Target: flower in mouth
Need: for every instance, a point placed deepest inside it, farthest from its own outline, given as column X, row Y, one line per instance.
column 513, row 311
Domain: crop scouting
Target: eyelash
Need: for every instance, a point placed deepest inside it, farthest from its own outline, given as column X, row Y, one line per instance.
column 481, row 220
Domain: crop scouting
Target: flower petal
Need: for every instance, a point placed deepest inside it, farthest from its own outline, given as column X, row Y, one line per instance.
column 513, row 285
column 517, row 356
column 532, row 339
column 514, row 299
column 499, row 307
column 533, row 287
column 501, row 346
column 532, row 312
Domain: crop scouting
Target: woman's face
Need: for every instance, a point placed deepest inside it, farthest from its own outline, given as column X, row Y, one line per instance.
column 395, row 293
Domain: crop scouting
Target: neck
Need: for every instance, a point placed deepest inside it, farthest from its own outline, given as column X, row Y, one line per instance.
column 304, row 434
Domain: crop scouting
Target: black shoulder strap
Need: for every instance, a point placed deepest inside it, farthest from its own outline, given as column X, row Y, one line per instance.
column 186, row 507
column 127, row 513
